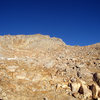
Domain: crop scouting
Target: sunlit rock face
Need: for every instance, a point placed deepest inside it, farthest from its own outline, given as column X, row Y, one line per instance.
column 37, row 67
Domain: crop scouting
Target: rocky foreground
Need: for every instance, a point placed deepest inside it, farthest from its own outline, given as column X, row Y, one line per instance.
column 37, row 67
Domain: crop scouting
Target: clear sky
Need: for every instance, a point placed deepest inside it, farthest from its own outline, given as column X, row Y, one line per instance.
column 77, row 22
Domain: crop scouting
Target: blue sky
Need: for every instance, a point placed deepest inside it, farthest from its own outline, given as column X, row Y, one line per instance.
column 76, row 22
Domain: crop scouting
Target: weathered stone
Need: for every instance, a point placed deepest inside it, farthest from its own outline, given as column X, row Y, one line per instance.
column 86, row 92
column 37, row 67
column 84, row 89
column 97, row 78
column 95, row 91
column 65, row 97
column 75, row 87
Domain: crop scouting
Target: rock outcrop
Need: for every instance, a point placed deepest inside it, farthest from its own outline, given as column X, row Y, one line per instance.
column 37, row 67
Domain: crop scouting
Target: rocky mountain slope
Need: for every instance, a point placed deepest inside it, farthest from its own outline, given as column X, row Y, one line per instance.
column 37, row 67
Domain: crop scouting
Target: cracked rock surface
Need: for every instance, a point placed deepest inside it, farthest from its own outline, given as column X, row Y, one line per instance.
column 37, row 67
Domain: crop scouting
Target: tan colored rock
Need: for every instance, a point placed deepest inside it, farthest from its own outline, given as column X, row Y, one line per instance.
column 65, row 97
column 86, row 92
column 38, row 67
column 12, row 68
column 75, row 87
column 97, row 78
column 84, row 89
column 95, row 91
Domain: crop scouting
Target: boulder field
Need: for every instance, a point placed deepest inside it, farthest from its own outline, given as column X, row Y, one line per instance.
column 38, row 67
